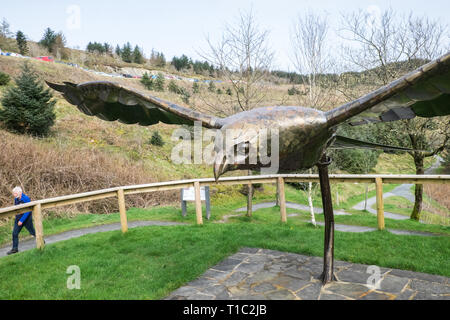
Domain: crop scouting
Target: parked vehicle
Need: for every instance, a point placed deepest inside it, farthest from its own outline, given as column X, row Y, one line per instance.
column 45, row 58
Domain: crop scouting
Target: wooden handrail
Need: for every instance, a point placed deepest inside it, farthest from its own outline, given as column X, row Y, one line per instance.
column 279, row 179
column 173, row 185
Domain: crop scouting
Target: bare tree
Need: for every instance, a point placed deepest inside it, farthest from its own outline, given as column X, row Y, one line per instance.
column 310, row 56
column 386, row 48
column 243, row 58
column 311, row 60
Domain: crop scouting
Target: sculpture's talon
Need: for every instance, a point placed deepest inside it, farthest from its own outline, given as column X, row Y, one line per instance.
column 324, row 277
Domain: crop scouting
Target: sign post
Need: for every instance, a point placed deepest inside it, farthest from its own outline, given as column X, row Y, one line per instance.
column 188, row 194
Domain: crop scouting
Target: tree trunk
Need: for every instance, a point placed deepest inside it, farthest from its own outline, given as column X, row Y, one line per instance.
column 311, row 208
column 418, row 161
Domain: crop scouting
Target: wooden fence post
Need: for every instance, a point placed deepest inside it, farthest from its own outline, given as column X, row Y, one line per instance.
column 37, row 217
column 122, row 210
column 380, row 205
column 282, row 199
column 249, row 200
column 198, row 203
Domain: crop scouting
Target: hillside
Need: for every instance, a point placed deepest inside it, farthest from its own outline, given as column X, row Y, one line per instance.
column 84, row 153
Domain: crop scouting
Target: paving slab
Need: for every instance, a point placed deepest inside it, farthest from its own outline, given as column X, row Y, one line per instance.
column 263, row 274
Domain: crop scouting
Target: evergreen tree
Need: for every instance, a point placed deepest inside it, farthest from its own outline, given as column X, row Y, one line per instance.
column 156, row 139
column 181, row 63
column 4, row 78
column 27, row 107
column 138, row 57
column 48, row 40
column 159, row 82
column 22, row 43
column 160, row 60
column 118, row 51
column 147, row 81
column 126, row 53
column 195, row 87
column 212, row 87
column 107, row 48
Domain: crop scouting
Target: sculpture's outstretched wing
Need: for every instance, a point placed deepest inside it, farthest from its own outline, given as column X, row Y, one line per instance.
column 111, row 101
column 341, row 142
column 424, row 92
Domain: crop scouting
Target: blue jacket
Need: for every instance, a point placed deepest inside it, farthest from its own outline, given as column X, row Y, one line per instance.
column 22, row 200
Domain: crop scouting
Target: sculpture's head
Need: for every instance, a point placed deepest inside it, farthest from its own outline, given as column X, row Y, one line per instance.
column 272, row 139
column 245, row 142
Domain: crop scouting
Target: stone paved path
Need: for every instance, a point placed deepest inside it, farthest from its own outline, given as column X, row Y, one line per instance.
column 261, row 274
column 31, row 243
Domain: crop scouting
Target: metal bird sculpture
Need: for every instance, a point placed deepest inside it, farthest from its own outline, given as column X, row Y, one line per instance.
column 304, row 133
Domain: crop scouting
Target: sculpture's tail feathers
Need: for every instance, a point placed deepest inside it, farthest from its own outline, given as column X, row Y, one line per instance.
column 347, row 143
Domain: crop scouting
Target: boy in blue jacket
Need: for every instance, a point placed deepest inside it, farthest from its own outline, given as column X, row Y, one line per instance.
column 22, row 220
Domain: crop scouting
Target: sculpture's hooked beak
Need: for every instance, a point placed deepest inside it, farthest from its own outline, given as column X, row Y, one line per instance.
column 221, row 165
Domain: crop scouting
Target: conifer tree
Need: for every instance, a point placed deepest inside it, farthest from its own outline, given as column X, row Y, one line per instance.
column 49, row 39
column 147, row 81
column 126, row 53
column 22, row 43
column 159, row 82
column 28, row 108
column 118, row 51
column 138, row 57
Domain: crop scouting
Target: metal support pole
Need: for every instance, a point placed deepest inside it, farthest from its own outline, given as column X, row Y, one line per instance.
column 328, row 252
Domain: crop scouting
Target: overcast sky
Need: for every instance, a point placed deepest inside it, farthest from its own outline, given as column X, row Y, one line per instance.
column 177, row 27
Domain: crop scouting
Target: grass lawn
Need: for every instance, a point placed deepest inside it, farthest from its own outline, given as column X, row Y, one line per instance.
column 404, row 207
column 150, row 262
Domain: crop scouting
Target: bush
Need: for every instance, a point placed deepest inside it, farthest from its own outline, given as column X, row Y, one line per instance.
column 173, row 87
column 211, row 87
column 156, row 139
column 159, row 82
column 28, row 107
column 47, row 170
column 4, row 79
column 195, row 87
column 147, row 81
column 292, row 91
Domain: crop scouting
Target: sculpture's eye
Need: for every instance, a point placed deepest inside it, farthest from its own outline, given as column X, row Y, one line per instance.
column 241, row 148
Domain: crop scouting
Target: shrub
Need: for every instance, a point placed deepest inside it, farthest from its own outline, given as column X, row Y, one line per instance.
column 156, row 139
column 159, row 82
column 211, row 87
column 292, row 91
column 28, row 107
column 4, row 79
column 195, row 87
column 147, row 81
column 173, row 87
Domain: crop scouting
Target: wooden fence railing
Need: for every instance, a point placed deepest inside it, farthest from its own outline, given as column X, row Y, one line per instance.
column 120, row 192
